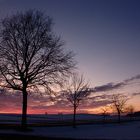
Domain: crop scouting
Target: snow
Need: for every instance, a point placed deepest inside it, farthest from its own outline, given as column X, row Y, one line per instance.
column 15, row 118
column 122, row 131
column 108, row 131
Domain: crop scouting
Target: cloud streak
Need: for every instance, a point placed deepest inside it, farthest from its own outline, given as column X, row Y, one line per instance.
column 108, row 87
column 137, row 77
column 136, row 94
column 113, row 86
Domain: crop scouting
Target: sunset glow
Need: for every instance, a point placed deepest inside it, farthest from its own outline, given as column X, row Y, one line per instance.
column 105, row 37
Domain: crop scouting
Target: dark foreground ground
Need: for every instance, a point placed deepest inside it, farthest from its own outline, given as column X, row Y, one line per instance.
column 88, row 129
column 23, row 137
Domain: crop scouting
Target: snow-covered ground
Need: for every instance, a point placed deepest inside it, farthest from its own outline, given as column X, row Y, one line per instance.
column 122, row 131
column 13, row 118
column 107, row 131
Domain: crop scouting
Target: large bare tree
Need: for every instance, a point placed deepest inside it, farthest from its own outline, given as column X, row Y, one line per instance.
column 75, row 91
column 31, row 55
column 119, row 104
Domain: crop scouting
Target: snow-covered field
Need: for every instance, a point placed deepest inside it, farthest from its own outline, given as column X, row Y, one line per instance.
column 13, row 118
column 107, row 131
column 125, row 131
column 122, row 131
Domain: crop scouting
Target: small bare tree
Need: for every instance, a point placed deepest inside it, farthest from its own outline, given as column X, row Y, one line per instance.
column 130, row 111
column 104, row 112
column 76, row 90
column 31, row 55
column 119, row 104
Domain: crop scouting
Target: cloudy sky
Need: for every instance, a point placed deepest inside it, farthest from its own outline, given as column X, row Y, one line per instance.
column 104, row 34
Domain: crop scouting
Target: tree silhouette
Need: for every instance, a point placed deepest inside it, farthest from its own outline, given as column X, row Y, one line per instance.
column 130, row 111
column 31, row 55
column 104, row 112
column 76, row 90
column 119, row 103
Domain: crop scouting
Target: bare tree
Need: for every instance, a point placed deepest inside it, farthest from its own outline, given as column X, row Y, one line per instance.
column 104, row 112
column 31, row 55
column 76, row 90
column 119, row 104
column 130, row 111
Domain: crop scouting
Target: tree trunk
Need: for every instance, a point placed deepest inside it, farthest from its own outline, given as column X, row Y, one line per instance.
column 24, row 110
column 104, row 118
column 119, row 117
column 74, row 117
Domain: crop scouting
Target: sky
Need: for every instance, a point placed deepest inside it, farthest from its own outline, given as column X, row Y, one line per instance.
column 104, row 35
